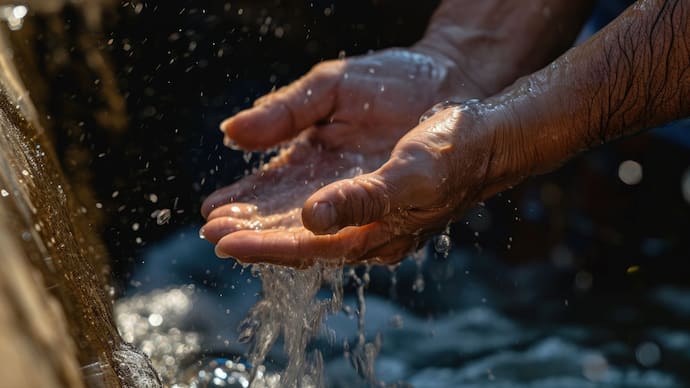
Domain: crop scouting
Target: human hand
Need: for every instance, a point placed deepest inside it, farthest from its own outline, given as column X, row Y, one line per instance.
column 361, row 104
column 434, row 172
column 355, row 111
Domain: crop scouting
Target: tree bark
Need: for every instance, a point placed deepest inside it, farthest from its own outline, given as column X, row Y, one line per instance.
column 56, row 324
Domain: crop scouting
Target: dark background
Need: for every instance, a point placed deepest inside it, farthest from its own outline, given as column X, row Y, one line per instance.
column 183, row 66
column 188, row 66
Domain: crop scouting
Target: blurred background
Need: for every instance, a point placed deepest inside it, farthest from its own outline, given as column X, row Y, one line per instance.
column 576, row 278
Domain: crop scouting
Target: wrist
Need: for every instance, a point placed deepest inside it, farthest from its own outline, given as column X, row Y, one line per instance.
column 477, row 165
column 469, row 52
column 499, row 142
column 532, row 128
column 459, row 83
column 495, row 42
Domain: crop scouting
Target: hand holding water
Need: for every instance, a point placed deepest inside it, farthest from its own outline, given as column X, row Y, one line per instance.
column 460, row 155
column 375, row 217
column 342, row 119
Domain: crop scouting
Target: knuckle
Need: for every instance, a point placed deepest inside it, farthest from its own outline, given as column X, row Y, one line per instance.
column 369, row 200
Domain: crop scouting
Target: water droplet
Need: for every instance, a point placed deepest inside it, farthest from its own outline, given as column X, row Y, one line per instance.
column 309, row 92
column 228, row 142
column 19, row 11
column 648, row 354
column 442, row 245
column 155, row 320
column 437, row 108
column 163, row 216
column 4, row 193
column 630, row 172
column 14, row 16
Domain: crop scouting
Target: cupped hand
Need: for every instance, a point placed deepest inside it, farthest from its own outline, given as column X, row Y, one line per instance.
column 344, row 118
column 435, row 171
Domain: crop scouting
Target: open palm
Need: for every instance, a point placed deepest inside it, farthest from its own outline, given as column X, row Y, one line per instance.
column 339, row 121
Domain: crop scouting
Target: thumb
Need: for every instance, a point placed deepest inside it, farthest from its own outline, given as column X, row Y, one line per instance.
column 357, row 201
column 281, row 115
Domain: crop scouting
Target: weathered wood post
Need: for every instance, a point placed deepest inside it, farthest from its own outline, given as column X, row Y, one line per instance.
column 56, row 324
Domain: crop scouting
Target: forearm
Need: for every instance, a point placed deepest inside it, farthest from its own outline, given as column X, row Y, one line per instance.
column 496, row 41
column 632, row 75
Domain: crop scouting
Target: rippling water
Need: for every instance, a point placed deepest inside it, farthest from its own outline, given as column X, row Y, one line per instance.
column 536, row 332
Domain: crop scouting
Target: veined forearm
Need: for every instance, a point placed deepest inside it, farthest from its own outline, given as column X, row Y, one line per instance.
column 496, row 41
column 632, row 75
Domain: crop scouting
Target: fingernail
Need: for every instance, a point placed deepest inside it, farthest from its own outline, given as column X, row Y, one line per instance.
column 324, row 216
column 224, row 124
column 221, row 254
column 230, row 143
column 201, row 234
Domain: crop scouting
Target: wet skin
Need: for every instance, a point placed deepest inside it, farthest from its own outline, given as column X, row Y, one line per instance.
column 355, row 112
column 630, row 76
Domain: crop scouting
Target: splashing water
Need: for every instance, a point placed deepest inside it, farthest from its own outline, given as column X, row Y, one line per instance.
column 363, row 355
column 13, row 15
column 445, row 105
column 289, row 307
column 442, row 245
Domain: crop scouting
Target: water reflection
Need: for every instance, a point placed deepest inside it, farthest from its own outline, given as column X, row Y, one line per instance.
column 152, row 323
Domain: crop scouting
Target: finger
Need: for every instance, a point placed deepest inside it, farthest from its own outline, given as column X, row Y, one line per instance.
column 235, row 209
column 357, row 201
column 298, row 245
column 281, row 115
column 408, row 179
column 218, row 227
column 235, row 192
column 277, row 180
column 269, row 197
column 249, row 212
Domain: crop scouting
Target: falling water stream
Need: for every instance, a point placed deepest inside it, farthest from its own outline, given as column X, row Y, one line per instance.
column 291, row 312
column 289, row 308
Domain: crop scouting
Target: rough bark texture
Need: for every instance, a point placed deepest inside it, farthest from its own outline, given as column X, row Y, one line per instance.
column 56, row 324
column 36, row 349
